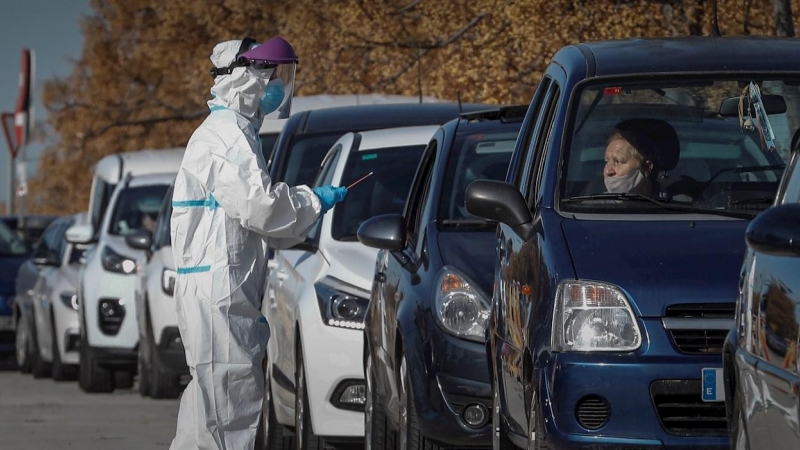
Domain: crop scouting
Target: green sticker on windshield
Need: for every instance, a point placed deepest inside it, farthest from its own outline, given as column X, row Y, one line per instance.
column 369, row 156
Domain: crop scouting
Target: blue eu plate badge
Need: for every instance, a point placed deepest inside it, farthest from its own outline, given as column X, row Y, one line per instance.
column 713, row 389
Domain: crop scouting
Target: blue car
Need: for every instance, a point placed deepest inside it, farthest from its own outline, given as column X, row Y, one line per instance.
column 424, row 355
column 13, row 252
column 615, row 289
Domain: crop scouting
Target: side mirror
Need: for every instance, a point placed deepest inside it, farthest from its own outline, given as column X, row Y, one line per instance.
column 140, row 240
column 386, row 232
column 501, row 202
column 776, row 231
column 307, row 246
column 80, row 234
column 773, row 104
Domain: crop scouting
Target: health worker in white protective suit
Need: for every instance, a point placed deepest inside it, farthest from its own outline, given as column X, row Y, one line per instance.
column 225, row 207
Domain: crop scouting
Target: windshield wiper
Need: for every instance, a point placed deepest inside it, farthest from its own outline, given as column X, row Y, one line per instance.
column 665, row 205
column 754, row 201
column 481, row 223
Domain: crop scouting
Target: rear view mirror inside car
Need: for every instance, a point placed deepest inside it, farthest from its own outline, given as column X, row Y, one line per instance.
column 774, row 104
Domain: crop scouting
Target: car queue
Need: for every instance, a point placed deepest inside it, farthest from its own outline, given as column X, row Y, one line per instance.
column 489, row 286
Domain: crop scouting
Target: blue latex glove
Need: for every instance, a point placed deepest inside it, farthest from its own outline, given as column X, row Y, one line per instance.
column 329, row 196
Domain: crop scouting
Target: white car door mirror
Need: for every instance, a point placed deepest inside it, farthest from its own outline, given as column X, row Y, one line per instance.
column 80, row 234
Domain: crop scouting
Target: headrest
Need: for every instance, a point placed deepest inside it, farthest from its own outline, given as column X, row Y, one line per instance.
column 655, row 139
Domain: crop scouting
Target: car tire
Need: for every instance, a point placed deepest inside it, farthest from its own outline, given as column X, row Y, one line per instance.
column 144, row 372
column 500, row 440
column 123, row 379
column 739, row 440
column 305, row 439
column 39, row 368
column 271, row 434
column 377, row 434
column 22, row 346
column 163, row 384
column 91, row 377
column 410, row 437
column 535, row 436
column 61, row 371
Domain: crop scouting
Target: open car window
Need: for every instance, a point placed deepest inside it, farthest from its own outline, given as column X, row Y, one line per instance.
column 714, row 164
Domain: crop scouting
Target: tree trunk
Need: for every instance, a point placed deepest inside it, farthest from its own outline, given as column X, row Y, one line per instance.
column 783, row 18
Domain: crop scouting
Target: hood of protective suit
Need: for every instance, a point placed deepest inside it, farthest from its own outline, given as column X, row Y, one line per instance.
column 240, row 90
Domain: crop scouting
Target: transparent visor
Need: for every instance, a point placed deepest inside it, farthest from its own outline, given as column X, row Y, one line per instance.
column 276, row 102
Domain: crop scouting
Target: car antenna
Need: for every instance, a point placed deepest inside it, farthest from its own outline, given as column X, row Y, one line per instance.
column 715, row 24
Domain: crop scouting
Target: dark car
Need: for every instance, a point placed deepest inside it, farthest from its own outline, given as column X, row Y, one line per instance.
column 610, row 308
column 13, row 253
column 307, row 136
column 32, row 227
column 762, row 369
column 424, row 354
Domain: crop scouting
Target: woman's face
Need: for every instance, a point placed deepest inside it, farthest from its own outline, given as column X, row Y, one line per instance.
column 620, row 159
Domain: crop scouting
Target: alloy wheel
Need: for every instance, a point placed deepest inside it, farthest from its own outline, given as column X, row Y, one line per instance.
column 267, row 402
column 299, row 408
column 21, row 344
column 495, row 415
column 368, row 405
column 403, row 394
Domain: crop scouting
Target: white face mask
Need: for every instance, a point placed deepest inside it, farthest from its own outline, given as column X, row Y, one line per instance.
column 624, row 184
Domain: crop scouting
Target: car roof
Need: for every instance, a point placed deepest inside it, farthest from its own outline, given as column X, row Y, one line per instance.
column 112, row 168
column 682, row 54
column 396, row 137
column 367, row 117
column 152, row 179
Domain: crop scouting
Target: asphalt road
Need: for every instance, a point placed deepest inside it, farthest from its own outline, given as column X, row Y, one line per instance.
column 42, row 414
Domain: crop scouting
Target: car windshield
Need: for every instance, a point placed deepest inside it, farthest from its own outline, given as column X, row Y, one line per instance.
column 384, row 192
column 136, row 208
column 474, row 156
column 305, row 156
column 10, row 243
column 677, row 147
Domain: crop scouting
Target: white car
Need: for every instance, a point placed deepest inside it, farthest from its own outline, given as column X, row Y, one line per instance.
column 109, row 334
column 49, row 338
column 317, row 294
column 162, row 360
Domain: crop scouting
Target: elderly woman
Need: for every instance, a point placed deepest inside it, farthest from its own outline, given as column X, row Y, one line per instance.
column 627, row 170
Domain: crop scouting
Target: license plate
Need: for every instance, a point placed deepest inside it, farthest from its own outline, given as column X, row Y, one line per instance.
column 6, row 323
column 713, row 389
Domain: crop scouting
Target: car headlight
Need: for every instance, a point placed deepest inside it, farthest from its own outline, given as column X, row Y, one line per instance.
column 168, row 281
column 460, row 308
column 70, row 299
column 594, row 316
column 114, row 262
column 338, row 306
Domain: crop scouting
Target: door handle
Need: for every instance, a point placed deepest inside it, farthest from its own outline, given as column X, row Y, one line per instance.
column 380, row 277
column 272, row 264
column 280, row 275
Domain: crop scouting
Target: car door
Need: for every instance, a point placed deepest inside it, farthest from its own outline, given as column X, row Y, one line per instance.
column 45, row 288
column 779, row 314
column 285, row 278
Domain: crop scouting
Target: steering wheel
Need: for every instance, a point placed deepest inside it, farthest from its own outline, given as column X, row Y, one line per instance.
column 707, row 197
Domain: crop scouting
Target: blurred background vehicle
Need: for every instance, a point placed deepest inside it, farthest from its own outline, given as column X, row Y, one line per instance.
column 13, row 253
column 610, row 309
column 424, row 353
column 762, row 369
column 32, row 227
column 109, row 332
column 317, row 294
column 161, row 358
column 48, row 331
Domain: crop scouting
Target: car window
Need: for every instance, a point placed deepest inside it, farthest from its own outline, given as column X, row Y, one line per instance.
column 384, row 192
column 61, row 243
column 528, row 137
column 790, row 192
column 698, row 156
column 418, row 193
column 10, row 243
column 475, row 155
column 136, row 208
column 305, row 156
column 538, row 156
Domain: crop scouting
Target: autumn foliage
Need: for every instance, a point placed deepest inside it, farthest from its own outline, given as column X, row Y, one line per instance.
column 142, row 80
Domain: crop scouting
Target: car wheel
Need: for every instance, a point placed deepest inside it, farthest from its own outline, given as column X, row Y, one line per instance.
column 738, row 431
column 22, row 346
column 123, row 379
column 163, row 384
column 271, row 434
column 91, row 377
column 500, row 440
column 411, row 437
column 143, row 360
column 377, row 435
column 61, row 371
column 39, row 368
column 535, row 434
column 305, row 439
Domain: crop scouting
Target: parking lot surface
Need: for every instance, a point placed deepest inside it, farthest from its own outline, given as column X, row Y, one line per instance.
column 42, row 414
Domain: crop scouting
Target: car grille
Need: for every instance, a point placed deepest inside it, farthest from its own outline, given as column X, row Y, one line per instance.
column 683, row 412
column 699, row 328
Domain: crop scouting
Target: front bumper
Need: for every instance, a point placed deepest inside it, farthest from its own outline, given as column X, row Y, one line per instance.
column 449, row 374
column 653, row 398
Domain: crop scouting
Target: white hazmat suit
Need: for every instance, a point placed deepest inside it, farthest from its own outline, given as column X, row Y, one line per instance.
column 224, row 208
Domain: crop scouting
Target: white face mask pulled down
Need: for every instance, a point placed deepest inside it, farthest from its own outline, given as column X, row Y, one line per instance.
column 626, row 184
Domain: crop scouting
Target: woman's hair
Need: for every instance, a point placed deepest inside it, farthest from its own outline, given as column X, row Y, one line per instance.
column 634, row 151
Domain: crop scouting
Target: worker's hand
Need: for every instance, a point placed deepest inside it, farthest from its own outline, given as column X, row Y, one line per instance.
column 329, row 196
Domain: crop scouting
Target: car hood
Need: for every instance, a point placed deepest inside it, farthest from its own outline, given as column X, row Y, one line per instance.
column 9, row 267
column 351, row 262
column 473, row 253
column 660, row 263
